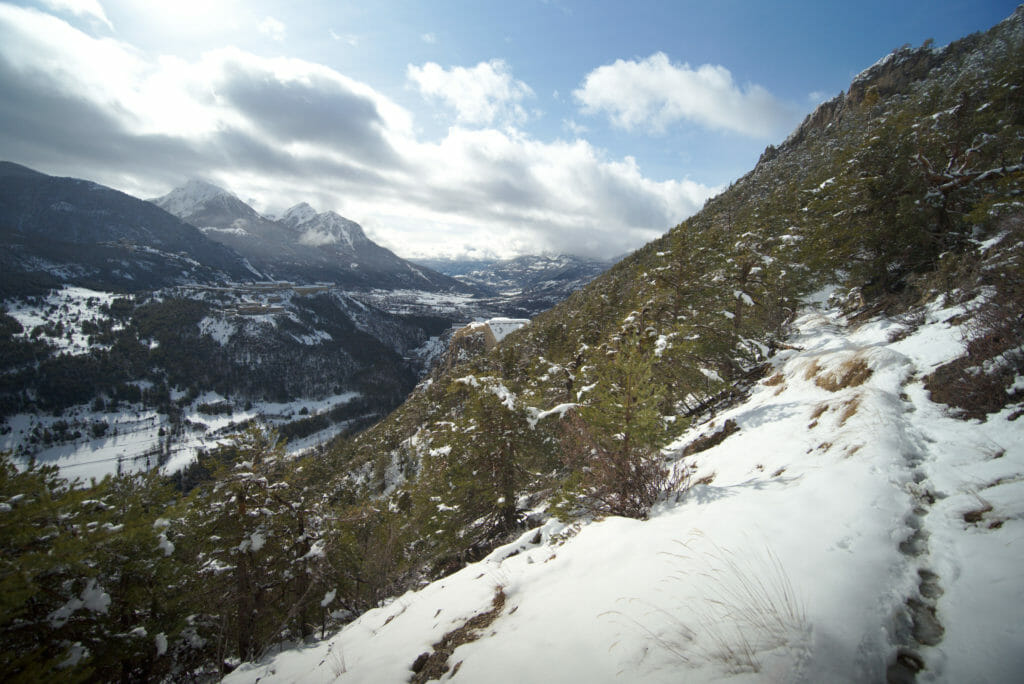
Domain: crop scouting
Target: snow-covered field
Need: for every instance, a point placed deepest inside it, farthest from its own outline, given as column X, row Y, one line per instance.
column 837, row 532
column 418, row 301
column 134, row 436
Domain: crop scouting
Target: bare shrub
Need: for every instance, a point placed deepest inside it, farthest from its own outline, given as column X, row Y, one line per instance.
column 616, row 481
column 980, row 382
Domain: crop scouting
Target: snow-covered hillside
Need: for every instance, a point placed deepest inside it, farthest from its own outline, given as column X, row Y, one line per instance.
column 849, row 530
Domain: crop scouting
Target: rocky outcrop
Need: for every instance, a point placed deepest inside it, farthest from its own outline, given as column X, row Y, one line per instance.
column 473, row 340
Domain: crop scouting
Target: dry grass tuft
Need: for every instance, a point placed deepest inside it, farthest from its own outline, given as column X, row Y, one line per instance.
column 747, row 607
column 776, row 379
column 849, row 409
column 707, row 479
column 816, row 414
column 714, row 439
column 812, row 370
column 850, row 373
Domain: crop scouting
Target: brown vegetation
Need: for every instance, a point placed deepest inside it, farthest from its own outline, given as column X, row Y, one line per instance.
column 434, row 665
column 714, row 439
column 850, row 373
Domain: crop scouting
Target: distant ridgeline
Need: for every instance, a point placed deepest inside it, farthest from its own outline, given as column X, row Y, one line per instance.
column 301, row 245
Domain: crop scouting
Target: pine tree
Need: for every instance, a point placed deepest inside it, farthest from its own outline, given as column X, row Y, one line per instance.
column 137, row 566
column 257, row 547
column 472, row 476
column 617, row 439
column 45, row 578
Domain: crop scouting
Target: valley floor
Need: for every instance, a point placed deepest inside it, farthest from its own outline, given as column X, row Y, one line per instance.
column 139, row 439
column 851, row 530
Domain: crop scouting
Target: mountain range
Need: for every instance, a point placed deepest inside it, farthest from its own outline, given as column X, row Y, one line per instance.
column 65, row 230
column 69, row 231
column 301, row 245
column 216, row 298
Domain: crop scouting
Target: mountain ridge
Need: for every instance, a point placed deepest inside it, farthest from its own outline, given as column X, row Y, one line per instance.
column 62, row 230
column 302, row 245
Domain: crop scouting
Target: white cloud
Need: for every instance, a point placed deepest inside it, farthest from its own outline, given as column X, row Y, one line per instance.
column 654, row 94
column 272, row 28
column 429, row 38
column 574, row 127
column 517, row 194
column 349, row 38
column 288, row 130
column 81, row 8
column 482, row 95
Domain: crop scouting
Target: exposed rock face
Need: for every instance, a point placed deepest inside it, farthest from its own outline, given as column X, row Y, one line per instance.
column 475, row 340
column 894, row 73
column 468, row 342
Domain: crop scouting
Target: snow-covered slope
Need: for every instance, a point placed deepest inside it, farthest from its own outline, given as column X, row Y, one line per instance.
column 837, row 536
column 502, row 327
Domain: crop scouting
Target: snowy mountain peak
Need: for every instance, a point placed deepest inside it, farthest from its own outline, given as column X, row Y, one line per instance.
column 299, row 214
column 327, row 228
column 190, row 197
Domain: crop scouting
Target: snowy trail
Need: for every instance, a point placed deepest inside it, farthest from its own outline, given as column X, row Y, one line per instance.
column 851, row 530
column 971, row 488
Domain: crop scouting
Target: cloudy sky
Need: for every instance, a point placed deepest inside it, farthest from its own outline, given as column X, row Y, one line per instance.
column 444, row 127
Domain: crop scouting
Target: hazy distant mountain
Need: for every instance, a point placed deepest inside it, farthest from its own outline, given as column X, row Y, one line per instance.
column 302, row 245
column 62, row 230
column 530, row 283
